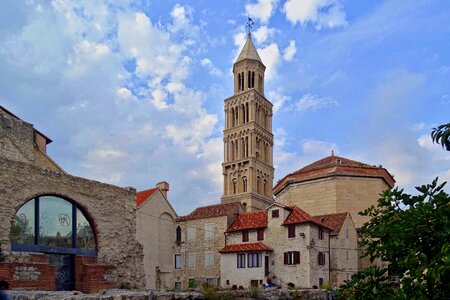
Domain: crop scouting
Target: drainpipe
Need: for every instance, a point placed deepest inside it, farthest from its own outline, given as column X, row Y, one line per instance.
column 329, row 258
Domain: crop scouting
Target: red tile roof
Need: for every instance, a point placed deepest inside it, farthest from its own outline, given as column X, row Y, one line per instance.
column 331, row 166
column 250, row 220
column 245, row 248
column 334, row 221
column 298, row 216
column 210, row 211
column 142, row 196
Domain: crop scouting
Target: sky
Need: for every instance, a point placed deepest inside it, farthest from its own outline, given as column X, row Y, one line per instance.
column 131, row 92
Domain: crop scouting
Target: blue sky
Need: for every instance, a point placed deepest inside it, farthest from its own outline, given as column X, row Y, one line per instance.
column 132, row 92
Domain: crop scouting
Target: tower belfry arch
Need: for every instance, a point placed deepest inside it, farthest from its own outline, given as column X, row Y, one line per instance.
column 248, row 138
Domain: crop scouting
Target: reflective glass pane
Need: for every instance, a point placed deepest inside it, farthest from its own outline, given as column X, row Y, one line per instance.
column 85, row 235
column 22, row 229
column 55, row 227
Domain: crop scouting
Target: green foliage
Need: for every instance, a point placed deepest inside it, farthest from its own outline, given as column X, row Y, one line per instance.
column 327, row 286
column 255, row 292
column 192, row 283
column 412, row 233
column 295, row 294
column 372, row 283
column 210, row 293
column 441, row 135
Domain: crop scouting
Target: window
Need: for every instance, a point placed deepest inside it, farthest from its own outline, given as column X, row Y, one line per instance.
column 191, row 232
column 245, row 236
column 254, row 260
column 211, row 281
column 320, row 233
column 178, row 235
column 347, row 255
column 275, row 213
column 241, row 261
column 244, row 184
column 178, row 286
column 292, row 258
column 291, row 231
column 260, row 234
column 320, row 282
column 347, row 233
column 191, row 261
column 321, row 258
column 177, row 259
column 52, row 222
column 209, row 259
column 234, row 182
column 209, row 232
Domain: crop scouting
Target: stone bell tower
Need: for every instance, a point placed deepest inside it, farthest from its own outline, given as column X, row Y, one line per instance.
column 248, row 140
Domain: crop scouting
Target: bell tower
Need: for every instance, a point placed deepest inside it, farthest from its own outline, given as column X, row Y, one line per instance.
column 248, row 140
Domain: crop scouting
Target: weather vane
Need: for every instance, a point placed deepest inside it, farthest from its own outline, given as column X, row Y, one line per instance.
column 249, row 25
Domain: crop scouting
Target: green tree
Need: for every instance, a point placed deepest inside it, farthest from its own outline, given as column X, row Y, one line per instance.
column 412, row 233
column 441, row 135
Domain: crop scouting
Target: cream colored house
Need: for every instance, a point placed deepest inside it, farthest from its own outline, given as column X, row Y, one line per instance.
column 199, row 236
column 156, row 232
column 283, row 244
column 343, row 246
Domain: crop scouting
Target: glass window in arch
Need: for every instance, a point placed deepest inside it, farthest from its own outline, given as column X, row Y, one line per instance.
column 51, row 222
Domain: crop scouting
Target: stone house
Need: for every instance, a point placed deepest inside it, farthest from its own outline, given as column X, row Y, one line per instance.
column 155, row 230
column 199, row 236
column 58, row 231
column 282, row 243
column 343, row 246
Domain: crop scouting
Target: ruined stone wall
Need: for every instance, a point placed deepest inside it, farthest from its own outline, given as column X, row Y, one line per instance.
column 110, row 208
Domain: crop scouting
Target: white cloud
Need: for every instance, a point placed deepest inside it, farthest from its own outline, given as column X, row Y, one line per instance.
column 313, row 102
column 262, row 10
column 270, row 56
column 289, row 51
column 263, row 33
column 321, row 13
column 213, row 70
column 278, row 99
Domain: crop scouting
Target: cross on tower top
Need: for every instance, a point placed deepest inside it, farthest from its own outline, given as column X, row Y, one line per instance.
column 249, row 25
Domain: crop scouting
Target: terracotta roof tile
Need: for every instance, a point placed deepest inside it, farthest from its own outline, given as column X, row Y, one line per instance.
column 334, row 165
column 249, row 247
column 334, row 221
column 298, row 216
column 210, row 211
column 142, row 196
column 250, row 220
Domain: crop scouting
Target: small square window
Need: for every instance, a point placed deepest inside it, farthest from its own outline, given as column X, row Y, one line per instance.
column 178, row 286
column 245, row 236
column 291, row 231
column 275, row 213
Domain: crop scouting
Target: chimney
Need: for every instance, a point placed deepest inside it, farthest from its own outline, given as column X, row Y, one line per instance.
column 163, row 187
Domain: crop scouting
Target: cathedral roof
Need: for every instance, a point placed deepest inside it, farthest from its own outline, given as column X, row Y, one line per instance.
column 249, row 51
column 334, row 166
column 258, row 246
column 142, row 196
column 334, row 221
column 210, row 211
column 250, row 220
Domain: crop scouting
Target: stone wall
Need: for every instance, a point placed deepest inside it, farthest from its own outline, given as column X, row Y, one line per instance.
column 111, row 210
column 199, row 246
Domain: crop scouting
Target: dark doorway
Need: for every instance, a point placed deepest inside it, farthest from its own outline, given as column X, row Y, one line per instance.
column 266, row 265
column 64, row 271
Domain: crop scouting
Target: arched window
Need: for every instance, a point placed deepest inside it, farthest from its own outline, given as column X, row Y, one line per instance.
column 258, row 185
column 234, row 186
column 232, row 118
column 246, row 112
column 52, row 224
column 244, row 184
column 253, row 80
column 178, row 235
column 242, row 81
column 239, row 82
column 265, row 187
